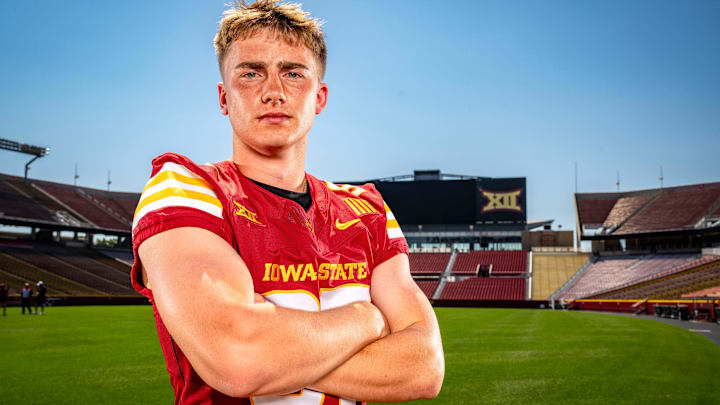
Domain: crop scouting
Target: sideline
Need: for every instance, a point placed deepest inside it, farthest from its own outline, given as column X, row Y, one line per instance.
column 710, row 330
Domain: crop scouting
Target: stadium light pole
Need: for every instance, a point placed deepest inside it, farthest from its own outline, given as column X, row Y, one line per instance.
column 37, row 151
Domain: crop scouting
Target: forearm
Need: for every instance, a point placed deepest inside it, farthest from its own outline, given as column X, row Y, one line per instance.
column 299, row 347
column 405, row 365
column 262, row 349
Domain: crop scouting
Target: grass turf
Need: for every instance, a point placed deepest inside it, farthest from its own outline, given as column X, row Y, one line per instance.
column 111, row 355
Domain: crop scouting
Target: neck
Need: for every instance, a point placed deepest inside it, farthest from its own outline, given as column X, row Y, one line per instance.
column 283, row 168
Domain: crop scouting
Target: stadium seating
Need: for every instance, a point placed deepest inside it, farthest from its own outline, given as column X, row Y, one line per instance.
column 504, row 262
column 63, row 204
column 624, row 208
column 119, row 259
column 698, row 274
column 613, row 272
column 15, row 204
column 427, row 287
column 705, row 292
column 428, row 263
column 82, row 206
column 593, row 211
column 484, row 288
column 84, row 262
column 676, row 208
column 551, row 271
column 95, row 277
column 29, row 273
column 15, row 283
column 110, row 205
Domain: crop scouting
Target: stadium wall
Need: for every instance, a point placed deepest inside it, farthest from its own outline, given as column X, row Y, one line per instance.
column 14, row 301
column 490, row 304
column 644, row 306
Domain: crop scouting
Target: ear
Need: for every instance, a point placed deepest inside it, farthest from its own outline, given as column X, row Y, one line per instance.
column 222, row 98
column 322, row 96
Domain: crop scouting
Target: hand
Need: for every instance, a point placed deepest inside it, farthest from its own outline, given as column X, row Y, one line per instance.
column 380, row 321
column 386, row 326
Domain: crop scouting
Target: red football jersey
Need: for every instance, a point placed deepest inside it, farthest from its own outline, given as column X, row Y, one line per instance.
column 314, row 260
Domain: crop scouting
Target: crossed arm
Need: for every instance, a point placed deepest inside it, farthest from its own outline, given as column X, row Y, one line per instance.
column 205, row 298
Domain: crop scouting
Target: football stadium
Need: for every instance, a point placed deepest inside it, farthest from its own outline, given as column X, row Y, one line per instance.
column 526, row 315
column 492, row 136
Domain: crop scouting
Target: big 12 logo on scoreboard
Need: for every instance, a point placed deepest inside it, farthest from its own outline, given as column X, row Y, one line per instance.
column 501, row 200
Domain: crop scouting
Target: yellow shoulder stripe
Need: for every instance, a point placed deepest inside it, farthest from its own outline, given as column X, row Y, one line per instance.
column 167, row 174
column 178, row 192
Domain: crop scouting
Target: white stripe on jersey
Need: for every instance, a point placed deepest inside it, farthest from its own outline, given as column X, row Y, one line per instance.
column 175, row 201
column 293, row 299
column 395, row 233
column 167, row 183
column 306, row 397
column 343, row 295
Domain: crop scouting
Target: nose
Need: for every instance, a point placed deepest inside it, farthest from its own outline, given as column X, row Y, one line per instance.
column 273, row 92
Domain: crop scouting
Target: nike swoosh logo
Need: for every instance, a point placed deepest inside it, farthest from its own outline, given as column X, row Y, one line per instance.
column 345, row 225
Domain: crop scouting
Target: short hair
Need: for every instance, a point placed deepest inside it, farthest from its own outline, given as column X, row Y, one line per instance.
column 289, row 21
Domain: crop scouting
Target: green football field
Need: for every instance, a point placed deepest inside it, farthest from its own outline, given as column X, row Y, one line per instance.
column 79, row 355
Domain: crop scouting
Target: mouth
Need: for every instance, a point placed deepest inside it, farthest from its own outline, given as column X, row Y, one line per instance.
column 274, row 118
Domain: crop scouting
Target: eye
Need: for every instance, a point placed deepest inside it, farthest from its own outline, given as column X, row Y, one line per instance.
column 250, row 75
column 294, row 75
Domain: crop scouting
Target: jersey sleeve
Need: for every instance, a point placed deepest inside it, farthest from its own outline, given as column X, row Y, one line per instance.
column 178, row 194
column 388, row 237
column 392, row 240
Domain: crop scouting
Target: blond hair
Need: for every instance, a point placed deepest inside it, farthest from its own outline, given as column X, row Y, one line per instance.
column 289, row 21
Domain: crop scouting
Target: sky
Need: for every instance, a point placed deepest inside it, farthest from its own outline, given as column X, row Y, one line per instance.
column 483, row 88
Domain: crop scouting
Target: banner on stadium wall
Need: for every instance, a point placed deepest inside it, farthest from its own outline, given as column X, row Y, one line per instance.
column 472, row 201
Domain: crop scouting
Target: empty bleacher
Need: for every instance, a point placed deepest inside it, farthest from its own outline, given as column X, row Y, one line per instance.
column 77, row 258
column 427, row 287
column 54, row 282
column 504, row 262
column 693, row 276
column 109, row 205
column 624, row 208
column 93, row 212
column 70, row 270
column 676, row 208
column 428, row 263
column 485, row 289
column 16, row 204
column 15, row 283
column 593, row 211
column 119, row 259
column 610, row 273
column 63, row 204
column 551, row 271
column 705, row 292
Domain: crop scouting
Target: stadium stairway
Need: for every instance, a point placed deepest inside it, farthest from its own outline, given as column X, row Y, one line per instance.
column 445, row 275
column 571, row 281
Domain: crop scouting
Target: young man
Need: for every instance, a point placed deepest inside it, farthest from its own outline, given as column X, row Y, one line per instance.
column 270, row 286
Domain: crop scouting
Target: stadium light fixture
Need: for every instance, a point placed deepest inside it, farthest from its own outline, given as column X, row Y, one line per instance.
column 37, row 151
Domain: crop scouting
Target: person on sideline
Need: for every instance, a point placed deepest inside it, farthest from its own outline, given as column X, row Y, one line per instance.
column 25, row 298
column 40, row 298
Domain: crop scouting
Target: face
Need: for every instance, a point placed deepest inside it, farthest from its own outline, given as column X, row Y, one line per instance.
column 271, row 92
